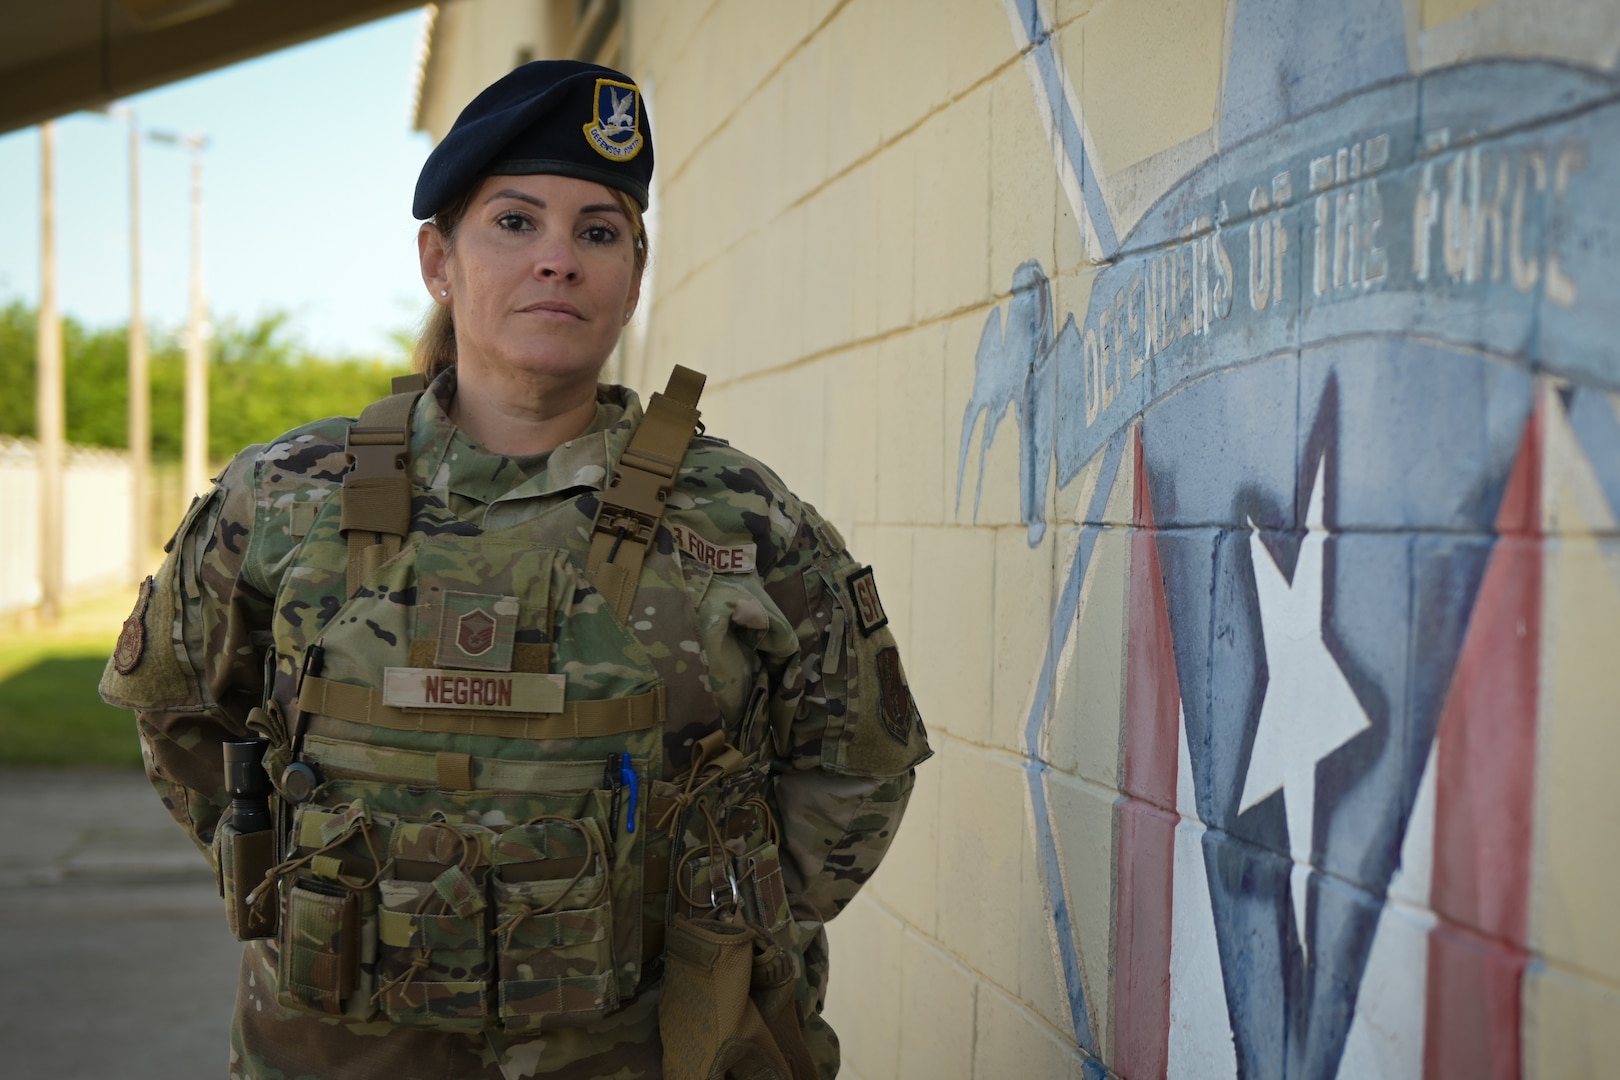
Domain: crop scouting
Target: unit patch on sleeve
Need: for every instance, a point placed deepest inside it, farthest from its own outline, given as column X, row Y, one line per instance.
column 721, row 558
column 896, row 710
column 132, row 640
column 869, row 614
column 477, row 632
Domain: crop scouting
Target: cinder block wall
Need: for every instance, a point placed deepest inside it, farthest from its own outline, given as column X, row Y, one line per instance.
column 1225, row 392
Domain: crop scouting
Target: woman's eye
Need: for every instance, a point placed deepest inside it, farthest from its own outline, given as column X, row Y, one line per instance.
column 600, row 234
column 512, row 222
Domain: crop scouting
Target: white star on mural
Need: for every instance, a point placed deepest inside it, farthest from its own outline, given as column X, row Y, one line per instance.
column 1309, row 710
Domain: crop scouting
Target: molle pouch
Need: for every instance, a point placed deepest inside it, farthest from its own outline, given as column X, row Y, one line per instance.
column 709, row 1024
column 322, row 925
column 243, row 859
column 764, row 896
column 706, row 886
column 554, row 936
column 327, row 937
column 433, row 966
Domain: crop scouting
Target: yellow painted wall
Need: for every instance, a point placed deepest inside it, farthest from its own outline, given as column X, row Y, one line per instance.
column 843, row 192
column 847, row 191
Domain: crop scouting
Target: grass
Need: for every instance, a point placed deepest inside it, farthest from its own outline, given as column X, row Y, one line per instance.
column 50, row 713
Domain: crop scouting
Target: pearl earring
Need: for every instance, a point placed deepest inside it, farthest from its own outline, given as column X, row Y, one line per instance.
column 444, row 292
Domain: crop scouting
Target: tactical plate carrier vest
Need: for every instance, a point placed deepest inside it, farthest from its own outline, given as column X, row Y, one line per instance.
column 475, row 830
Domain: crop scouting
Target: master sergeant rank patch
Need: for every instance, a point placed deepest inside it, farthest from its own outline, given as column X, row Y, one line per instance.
column 476, row 631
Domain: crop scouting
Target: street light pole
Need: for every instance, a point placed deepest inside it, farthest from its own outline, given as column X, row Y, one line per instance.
column 194, row 443
column 196, row 430
column 140, row 387
column 49, row 415
column 140, row 396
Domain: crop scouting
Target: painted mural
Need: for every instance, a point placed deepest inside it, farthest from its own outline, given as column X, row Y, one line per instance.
column 1347, row 396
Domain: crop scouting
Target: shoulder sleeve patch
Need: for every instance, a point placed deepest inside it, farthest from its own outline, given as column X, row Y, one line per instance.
column 897, row 708
column 144, row 671
column 863, row 594
column 131, row 645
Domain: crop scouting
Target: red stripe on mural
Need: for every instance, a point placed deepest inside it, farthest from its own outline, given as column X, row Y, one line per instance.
column 1484, row 801
column 1146, row 816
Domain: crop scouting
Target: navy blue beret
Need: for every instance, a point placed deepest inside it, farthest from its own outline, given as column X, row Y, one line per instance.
column 551, row 116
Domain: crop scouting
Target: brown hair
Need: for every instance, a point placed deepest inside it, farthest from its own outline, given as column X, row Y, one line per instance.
column 436, row 346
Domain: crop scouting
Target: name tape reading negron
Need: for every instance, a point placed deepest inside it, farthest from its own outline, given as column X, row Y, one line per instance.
column 432, row 688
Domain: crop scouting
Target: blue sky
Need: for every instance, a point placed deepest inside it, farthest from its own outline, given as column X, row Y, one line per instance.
column 306, row 202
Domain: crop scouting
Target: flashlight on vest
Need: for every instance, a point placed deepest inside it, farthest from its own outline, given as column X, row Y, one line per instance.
column 248, row 784
column 247, row 848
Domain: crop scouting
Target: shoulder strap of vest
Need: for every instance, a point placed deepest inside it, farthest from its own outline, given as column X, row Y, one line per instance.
column 633, row 502
column 377, row 488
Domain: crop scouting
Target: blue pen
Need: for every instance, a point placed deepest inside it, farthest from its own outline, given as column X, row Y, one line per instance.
column 628, row 775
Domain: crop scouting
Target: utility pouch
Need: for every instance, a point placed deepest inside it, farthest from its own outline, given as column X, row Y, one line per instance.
column 433, row 965
column 243, row 859
column 774, row 992
column 554, row 925
column 327, row 937
column 764, row 896
column 710, row 1026
column 705, row 885
column 320, row 949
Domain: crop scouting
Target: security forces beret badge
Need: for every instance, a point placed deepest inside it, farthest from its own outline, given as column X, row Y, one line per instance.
column 618, row 137
column 131, row 645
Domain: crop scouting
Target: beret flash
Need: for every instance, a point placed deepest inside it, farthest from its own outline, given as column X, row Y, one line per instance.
column 565, row 117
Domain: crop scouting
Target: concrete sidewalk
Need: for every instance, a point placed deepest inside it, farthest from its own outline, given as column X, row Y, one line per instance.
column 113, row 943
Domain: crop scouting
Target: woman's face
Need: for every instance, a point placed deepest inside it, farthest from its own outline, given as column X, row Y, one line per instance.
column 541, row 276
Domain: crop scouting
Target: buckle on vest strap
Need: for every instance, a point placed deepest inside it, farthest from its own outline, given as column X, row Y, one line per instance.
column 376, row 453
column 622, row 523
column 731, row 882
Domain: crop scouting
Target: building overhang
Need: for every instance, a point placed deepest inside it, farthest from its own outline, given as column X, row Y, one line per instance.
column 65, row 55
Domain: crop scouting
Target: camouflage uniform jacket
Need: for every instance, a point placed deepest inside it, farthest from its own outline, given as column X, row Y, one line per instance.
column 754, row 610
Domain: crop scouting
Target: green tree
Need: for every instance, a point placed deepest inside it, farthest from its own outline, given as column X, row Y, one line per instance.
column 97, row 384
column 262, row 382
column 17, row 324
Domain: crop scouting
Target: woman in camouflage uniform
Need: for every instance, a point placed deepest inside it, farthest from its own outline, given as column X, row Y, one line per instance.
column 599, row 702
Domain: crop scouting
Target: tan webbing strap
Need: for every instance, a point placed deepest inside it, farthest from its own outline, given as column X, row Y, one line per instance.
column 527, row 656
column 579, row 719
column 454, row 771
column 633, row 503
column 377, row 489
column 339, row 756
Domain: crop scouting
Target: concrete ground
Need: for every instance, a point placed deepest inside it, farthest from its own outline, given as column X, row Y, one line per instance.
column 113, row 944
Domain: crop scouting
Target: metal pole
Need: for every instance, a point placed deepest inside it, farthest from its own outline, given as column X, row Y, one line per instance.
column 195, row 447
column 50, row 413
column 140, row 414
